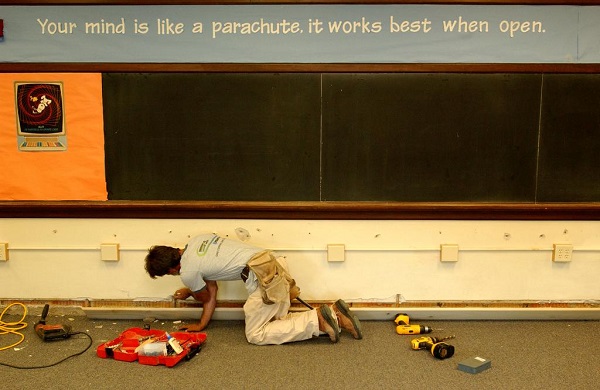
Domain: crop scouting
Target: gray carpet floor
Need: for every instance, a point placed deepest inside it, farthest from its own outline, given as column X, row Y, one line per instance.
column 523, row 355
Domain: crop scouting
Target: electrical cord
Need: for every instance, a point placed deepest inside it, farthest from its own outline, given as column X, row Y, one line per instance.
column 58, row 362
column 14, row 327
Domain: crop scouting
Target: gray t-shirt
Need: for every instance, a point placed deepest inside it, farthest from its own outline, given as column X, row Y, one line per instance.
column 211, row 257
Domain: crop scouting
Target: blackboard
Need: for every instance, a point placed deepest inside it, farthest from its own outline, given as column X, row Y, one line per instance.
column 430, row 137
column 415, row 137
column 212, row 136
column 570, row 139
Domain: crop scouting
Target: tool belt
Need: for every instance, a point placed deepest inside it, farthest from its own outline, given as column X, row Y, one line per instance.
column 275, row 283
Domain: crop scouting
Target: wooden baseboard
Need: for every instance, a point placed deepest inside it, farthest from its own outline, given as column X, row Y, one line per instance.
column 169, row 309
column 364, row 313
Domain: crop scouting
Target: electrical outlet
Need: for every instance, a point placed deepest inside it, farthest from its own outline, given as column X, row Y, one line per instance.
column 3, row 251
column 562, row 253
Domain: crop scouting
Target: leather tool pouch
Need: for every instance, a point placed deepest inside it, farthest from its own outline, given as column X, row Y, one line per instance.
column 274, row 281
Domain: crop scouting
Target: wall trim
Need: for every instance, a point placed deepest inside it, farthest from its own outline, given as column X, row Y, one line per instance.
column 301, row 210
column 169, row 309
column 259, row 2
column 367, row 314
column 100, row 67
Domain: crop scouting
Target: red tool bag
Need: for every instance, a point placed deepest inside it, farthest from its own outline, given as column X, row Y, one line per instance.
column 130, row 345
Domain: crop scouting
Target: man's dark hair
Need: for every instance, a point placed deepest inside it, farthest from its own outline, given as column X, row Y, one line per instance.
column 160, row 259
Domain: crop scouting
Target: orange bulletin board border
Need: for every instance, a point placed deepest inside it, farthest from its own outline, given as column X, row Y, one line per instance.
column 73, row 174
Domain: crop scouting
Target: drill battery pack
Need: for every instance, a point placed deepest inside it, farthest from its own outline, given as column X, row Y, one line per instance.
column 474, row 365
column 133, row 345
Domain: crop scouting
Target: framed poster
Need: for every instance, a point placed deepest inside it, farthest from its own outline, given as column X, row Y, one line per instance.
column 40, row 116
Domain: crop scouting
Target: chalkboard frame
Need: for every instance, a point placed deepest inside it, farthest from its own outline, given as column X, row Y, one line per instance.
column 299, row 210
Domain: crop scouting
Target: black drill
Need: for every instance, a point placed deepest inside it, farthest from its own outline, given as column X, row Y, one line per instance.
column 51, row 332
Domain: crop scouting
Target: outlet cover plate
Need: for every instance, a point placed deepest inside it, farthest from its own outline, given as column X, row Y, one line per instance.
column 562, row 253
column 449, row 252
column 109, row 252
column 3, row 251
column 336, row 252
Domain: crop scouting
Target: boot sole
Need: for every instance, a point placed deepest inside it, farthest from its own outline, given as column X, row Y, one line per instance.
column 345, row 310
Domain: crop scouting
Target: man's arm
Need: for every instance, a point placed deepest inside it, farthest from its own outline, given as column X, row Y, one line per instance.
column 208, row 297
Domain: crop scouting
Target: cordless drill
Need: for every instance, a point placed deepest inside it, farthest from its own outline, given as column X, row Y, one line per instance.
column 51, row 332
column 435, row 345
column 403, row 327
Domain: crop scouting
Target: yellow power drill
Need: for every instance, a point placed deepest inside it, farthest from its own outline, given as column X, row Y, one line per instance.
column 403, row 325
column 435, row 345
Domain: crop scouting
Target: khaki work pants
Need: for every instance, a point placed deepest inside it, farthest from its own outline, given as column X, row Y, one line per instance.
column 272, row 323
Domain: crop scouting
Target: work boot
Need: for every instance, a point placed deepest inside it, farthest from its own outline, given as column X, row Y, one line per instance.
column 347, row 320
column 328, row 322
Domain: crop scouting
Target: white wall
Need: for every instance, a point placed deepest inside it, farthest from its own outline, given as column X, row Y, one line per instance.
column 498, row 260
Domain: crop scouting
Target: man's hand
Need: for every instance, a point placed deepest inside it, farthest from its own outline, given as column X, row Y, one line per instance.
column 182, row 293
column 192, row 328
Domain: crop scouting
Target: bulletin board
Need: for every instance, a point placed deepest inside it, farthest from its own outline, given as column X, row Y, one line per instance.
column 75, row 171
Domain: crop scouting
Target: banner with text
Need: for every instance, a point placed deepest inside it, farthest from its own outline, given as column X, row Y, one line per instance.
column 301, row 34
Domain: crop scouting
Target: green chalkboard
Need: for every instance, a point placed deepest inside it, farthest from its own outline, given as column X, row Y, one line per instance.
column 570, row 139
column 212, row 136
column 406, row 137
column 430, row 137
